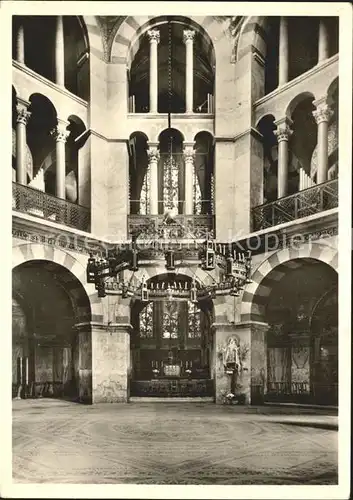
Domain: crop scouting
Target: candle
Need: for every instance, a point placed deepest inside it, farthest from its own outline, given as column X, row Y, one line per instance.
column 21, row 375
column 26, row 371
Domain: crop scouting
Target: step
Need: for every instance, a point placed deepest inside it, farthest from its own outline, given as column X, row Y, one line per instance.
column 137, row 399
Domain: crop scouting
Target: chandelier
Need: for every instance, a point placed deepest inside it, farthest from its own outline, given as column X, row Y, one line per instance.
column 233, row 269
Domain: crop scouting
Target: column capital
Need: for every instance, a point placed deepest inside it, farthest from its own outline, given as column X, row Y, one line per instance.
column 283, row 131
column 189, row 153
column 323, row 110
column 23, row 115
column 60, row 132
column 153, row 35
column 153, row 154
column 188, row 35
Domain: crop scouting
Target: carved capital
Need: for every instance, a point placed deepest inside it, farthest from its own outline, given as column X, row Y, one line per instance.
column 22, row 114
column 188, row 35
column 60, row 132
column 153, row 35
column 322, row 113
column 189, row 154
column 153, row 155
column 283, row 132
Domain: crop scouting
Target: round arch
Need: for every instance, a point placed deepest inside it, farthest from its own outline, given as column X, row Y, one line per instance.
column 126, row 32
column 252, row 34
column 33, row 251
column 267, row 273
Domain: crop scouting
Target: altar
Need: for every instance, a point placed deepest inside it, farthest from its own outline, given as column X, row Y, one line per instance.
column 172, row 387
column 172, row 370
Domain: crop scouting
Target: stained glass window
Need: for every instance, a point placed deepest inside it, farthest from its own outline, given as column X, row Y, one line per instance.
column 146, row 321
column 170, row 321
column 194, row 321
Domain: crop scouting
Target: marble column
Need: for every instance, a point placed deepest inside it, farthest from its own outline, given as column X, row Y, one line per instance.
column 153, row 158
column 154, row 37
column 283, row 134
column 322, row 115
column 189, row 157
column 20, row 44
column 189, row 69
column 59, row 52
column 60, row 134
column 323, row 46
column 283, row 52
column 23, row 116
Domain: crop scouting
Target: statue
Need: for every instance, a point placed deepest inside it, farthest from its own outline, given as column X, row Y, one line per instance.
column 231, row 358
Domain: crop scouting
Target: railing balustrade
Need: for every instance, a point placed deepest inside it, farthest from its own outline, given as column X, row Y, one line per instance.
column 185, row 226
column 34, row 202
column 296, row 206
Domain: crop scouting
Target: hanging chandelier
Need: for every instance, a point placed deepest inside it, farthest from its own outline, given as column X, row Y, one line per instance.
column 233, row 271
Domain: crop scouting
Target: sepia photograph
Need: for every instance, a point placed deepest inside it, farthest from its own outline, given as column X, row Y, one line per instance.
column 176, row 315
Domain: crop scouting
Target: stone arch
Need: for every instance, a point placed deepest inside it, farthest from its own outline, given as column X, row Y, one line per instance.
column 94, row 36
column 268, row 273
column 297, row 100
column 34, row 251
column 127, row 31
column 252, row 36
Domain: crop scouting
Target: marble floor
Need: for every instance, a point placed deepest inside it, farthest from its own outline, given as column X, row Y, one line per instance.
column 172, row 443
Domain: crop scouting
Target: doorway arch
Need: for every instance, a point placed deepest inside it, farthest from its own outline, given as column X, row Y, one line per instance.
column 49, row 356
column 171, row 343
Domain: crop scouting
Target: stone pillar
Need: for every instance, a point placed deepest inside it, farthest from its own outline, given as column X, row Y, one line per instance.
column 20, row 44
column 323, row 49
column 23, row 116
column 153, row 158
column 59, row 52
column 222, row 332
column 189, row 69
column 322, row 115
column 283, row 134
column 154, row 41
column 258, row 372
column 60, row 134
column 283, row 51
column 82, row 357
column 111, row 362
column 189, row 156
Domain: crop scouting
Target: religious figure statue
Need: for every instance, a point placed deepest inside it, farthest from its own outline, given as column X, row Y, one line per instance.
column 231, row 358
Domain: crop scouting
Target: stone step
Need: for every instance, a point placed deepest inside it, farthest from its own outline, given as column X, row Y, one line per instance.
column 137, row 399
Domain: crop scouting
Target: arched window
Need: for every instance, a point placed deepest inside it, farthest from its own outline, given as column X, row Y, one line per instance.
column 146, row 321
column 194, row 321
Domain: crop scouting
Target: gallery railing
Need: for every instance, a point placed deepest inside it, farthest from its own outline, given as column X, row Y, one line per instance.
column 302, row 204
column 32, row 201
column 184, row 226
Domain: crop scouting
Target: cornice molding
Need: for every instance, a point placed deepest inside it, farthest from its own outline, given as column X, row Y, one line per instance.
column 49, row 83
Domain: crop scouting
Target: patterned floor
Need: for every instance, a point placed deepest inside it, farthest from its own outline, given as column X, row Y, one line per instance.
column 171, row 443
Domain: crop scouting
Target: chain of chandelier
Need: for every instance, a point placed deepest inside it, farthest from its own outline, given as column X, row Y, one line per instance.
column 106, row 272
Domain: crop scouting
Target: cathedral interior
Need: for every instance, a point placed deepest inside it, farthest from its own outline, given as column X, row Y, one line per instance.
column 153, row 159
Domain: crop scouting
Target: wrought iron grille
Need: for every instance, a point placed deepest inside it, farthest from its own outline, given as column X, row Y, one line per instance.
column 186, row 226
column 302, row 204
column 35, row 202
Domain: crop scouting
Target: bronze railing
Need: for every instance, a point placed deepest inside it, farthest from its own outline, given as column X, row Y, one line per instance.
column 34, row 202
column 185, row 226
column 302, row 204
